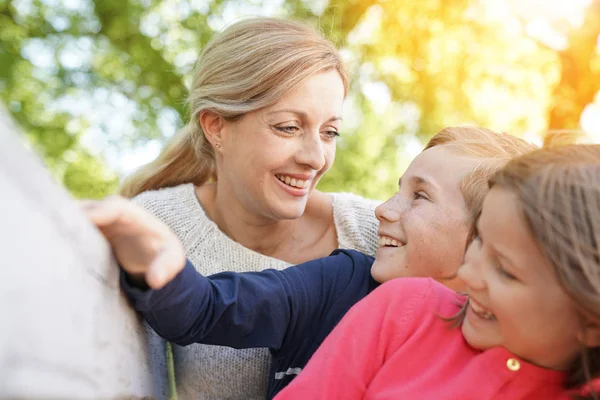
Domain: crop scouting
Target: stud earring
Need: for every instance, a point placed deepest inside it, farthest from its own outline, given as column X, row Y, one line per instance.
column 217, row 145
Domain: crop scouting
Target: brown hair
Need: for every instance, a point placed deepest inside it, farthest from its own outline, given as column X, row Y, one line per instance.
column 248, row 66
column 558, row 190
column 559, row 193
column 493, row 150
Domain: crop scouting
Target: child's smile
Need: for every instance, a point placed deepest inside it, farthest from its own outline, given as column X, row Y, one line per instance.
column 480, row 311
column 515, row 300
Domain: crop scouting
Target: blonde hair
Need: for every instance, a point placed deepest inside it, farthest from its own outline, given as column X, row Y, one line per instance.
column 248, row 66
column 559, row 194
column 494, row 150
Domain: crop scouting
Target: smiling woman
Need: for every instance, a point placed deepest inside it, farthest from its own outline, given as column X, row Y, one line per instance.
column 271, row 159
column 237, row 184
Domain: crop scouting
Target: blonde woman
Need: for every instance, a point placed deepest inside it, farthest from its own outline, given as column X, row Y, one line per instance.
column 237, row 184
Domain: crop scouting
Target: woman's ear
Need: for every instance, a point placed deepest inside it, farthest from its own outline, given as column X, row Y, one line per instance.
column 213, row 126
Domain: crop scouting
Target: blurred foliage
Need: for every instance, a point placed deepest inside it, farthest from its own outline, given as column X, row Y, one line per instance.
column 86, row 79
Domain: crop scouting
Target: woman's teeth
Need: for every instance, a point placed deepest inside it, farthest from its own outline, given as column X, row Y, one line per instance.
column 297, row 183
column 481, row 312
column 386, row 241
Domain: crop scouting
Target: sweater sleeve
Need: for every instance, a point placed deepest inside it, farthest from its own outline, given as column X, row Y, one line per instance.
column 245, row 310
column 355, row 222
column 348, row 360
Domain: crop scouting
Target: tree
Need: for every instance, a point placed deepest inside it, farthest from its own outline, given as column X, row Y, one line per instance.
column 580, row 72
column 81, row 77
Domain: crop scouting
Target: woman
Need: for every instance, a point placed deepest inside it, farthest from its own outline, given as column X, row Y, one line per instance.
column 238, row 182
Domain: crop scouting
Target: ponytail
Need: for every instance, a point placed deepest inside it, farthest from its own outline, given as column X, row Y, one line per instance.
column 187, row 158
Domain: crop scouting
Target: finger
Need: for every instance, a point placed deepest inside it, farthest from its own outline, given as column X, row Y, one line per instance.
column 104, row 212
column 88, row 206
column 166, row 265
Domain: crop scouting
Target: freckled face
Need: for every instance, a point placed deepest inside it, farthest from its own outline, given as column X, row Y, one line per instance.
column 423, row 228
column 273, row 158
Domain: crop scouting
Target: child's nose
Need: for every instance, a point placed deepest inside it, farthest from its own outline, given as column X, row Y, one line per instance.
column 391, row 210
column 471, row 272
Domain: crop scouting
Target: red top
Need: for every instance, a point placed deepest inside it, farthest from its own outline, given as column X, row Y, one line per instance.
column 394, row 345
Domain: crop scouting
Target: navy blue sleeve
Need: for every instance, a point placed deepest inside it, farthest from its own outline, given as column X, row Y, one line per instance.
column 244, row 310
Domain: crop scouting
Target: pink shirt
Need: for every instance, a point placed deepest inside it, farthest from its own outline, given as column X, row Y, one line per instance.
column 394, row 345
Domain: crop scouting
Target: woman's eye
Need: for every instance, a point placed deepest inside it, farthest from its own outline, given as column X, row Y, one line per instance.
column 289, row 129
column 331, row 134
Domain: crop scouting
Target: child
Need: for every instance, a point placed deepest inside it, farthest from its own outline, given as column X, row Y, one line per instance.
column 529, row 327
column 423, row 232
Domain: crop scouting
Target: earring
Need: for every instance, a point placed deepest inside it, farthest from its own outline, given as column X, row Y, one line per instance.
column 217, row 145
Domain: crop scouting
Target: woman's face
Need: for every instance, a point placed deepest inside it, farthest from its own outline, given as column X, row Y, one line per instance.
column 423, row 228
column 515, row 300
column 273, row 158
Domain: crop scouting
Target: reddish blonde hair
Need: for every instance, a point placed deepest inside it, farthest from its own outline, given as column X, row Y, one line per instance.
column 493, row 150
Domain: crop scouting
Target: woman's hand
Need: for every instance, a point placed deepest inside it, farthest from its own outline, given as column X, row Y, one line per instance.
column 145, row 247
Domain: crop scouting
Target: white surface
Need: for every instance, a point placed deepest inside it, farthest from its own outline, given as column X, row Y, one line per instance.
column 66, row 331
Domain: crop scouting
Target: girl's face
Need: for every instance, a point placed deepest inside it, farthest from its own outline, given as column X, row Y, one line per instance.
column 273, row 158
column 515, row 300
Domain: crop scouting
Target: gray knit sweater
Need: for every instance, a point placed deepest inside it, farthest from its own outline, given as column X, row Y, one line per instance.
column 214, row 372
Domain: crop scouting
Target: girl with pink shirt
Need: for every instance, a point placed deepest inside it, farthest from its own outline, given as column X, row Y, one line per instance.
column 529, row 324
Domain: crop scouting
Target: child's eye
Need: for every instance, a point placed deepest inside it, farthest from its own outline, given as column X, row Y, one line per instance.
column 504, row 273
column 420, row 195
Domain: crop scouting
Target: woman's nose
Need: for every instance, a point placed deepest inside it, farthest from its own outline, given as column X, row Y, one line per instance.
column 312, row 153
